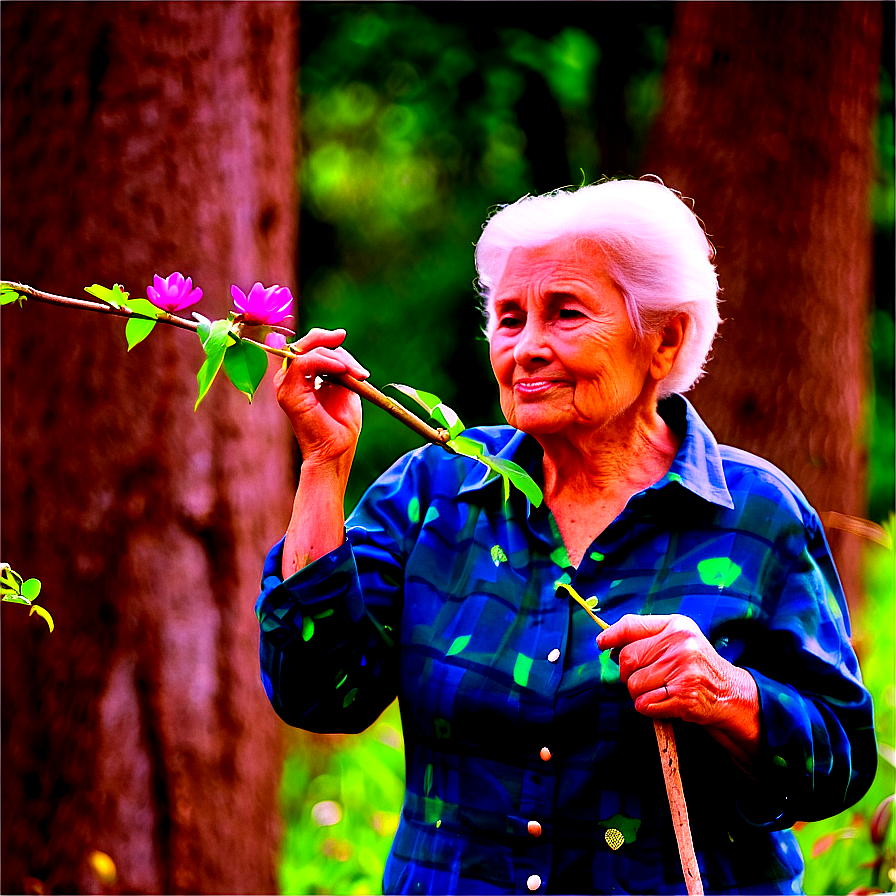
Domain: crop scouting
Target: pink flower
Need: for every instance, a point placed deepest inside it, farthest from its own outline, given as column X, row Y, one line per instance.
column 173, row 293
column 275, row 340
column 263, row 306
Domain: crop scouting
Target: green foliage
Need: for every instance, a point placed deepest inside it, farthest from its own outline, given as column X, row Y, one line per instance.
column 14, row 589
column 8, row 295
column 881, row 427
column 116, row 296
column 245, row 363
column 341, row 801
column 215, row 337
column 840, row 852
column 138, row 328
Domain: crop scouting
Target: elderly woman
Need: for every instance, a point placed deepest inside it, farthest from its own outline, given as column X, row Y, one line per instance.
column 531, row 758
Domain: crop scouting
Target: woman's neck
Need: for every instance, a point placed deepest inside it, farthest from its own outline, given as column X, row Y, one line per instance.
column 624, row 454
column 589, row 476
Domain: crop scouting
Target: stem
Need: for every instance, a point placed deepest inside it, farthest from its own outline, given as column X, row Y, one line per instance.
column 359, row 387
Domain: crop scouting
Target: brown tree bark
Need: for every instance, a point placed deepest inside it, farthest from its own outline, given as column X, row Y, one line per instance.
column 140, row 138
column 767, row 122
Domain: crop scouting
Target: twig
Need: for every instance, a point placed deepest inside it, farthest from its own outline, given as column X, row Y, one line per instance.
column 665, row 739
column 365, row 390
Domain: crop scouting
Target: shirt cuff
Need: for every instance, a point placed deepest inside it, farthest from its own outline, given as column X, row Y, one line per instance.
column 327, row 583
column 764, row 796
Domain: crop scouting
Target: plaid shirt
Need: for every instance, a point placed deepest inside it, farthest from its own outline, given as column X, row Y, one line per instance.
column 528, row 768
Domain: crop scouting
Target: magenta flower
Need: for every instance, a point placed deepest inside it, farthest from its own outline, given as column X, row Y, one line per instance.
column 173, row 293
column 263, row 305
column 275, row 340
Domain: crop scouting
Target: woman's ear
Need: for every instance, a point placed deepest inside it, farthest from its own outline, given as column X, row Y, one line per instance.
column 671, row 339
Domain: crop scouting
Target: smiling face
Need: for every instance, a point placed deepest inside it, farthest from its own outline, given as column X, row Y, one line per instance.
column 561, row 344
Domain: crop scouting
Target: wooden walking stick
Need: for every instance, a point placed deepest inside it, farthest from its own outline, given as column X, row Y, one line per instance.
column 665, row 739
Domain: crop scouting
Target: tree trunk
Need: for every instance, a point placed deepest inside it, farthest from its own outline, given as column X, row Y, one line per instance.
column 767, row 122
column 140, row 138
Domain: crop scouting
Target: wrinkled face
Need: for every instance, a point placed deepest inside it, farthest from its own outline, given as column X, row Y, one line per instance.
column 562, row 348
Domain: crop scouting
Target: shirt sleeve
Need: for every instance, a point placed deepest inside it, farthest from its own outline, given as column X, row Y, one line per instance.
column 818, row 752
column 329, row 633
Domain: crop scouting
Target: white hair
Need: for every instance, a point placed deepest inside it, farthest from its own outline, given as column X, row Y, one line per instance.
column 657, row 255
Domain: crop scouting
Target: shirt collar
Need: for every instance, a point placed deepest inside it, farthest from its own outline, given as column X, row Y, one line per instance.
column 697, row 465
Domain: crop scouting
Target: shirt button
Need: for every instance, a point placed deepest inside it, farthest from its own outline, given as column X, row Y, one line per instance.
column 534, row 882
column 545, row 753
column 534, row 828
column 554, row 655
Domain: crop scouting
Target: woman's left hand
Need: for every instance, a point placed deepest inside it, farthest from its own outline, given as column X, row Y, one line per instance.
column 671, row 670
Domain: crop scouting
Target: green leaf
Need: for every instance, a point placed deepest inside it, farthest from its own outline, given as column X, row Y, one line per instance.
column 116, row 297
column 215, row 347
column 10, row 580
column 447, row 418
column 520, row 478
column 8, row 295
column 43, row 615
column 137, row 329
column 16, row 599
column 31, row 589
column 466, row 446
column 425, row 399
column 204, row 328
column 246, row 364
column 144, row 308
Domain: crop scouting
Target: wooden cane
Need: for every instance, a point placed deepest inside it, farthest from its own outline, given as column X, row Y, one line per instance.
column 665, row 739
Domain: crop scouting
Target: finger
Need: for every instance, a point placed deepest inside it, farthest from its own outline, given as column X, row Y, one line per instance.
column 657, row 703
column 631, row 628
column 317, row 336
column 325, row 362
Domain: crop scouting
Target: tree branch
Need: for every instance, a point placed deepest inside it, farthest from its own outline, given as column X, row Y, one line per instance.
column 364, row 389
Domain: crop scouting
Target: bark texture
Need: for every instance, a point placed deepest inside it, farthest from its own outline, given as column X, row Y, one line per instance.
column 140, row 138
column 767, row 121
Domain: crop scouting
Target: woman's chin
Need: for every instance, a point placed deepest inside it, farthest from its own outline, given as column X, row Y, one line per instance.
column 536, row 421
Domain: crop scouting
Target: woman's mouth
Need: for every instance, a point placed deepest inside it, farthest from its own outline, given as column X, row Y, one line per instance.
column 535, row 386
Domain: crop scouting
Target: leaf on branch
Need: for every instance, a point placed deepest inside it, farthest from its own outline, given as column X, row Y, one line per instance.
column 138, row 328
column 215, row 346
column 426, row 400
column 10, row 580
column 245, row 364
column 204, row 328
column 466, row 446
column 116, row 297
column 43, row 615
column 514, row 474
column 441, row 413
column 8, row 295
column 16, row 599
column 448, row 419
column 31, row 589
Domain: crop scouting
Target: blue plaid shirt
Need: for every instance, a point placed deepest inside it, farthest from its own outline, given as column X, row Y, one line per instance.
column 528, row 768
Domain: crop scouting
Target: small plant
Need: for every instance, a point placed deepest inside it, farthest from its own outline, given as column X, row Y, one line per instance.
column 16, row 590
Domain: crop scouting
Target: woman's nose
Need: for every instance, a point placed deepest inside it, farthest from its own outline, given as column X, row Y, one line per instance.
column 532, row 345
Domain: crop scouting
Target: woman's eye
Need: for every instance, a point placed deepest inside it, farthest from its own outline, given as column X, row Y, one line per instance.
column 509, row 321
column 569, row 313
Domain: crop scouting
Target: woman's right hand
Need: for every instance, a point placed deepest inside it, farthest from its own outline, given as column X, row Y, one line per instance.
column 326, row 420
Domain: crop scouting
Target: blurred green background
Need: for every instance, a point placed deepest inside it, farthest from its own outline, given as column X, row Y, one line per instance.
column 410, row 115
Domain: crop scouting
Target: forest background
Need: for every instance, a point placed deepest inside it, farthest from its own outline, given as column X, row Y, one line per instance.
column 137, row 731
